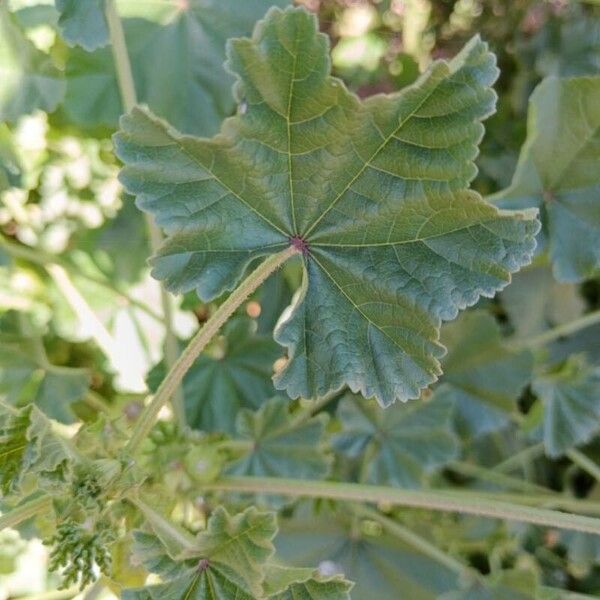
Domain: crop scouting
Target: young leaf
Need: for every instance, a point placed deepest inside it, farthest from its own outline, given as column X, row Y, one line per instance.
column 482, row 376
column 29, row 79
column 286, row 583
column 177, row 51
column 281, row 447
column 226, row 561
column 30, row 447
column 82, row 23
column 558, row 173
column 406, row 442
column 239, row 376
column 571, row 405
column 374, row 195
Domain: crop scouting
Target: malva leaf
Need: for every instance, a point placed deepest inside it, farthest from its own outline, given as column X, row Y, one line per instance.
column 30, row 81
column 280, row 445
column 177, row 51
column 570, row 395
column 237, row 375
column 558, row 173
column 482, row 376
column 373, row 194
column 514, row 584
column 403, row 443
column 30, row 448
column 227, row 561
column 288, row 583
column 83, row 23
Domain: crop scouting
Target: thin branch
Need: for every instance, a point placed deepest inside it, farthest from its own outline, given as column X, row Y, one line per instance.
column 24, row 511
column 584, row 463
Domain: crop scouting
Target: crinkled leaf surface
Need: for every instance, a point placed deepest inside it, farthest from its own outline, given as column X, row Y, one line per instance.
column 237, row 376
column 571, row 405
column 403, row 443
column 379, row 565
column 376, row 191
column 558, row 173
column 482, row 376
column 227, row 560
column 82, row 23
column 29, row 80
column 177, row 49
column 281, row 446
column 287, row 583
column 30, row 447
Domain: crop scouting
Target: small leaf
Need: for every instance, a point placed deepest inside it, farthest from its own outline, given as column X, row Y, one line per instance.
column 405, row 442
column 82, row 23
column 571, row 403
column 29, row 447
column 30, row 81
column 374, row 193
column 557, row 172
column 281, row 447
column 237, row 375
column 285, row 583
column 482, row 376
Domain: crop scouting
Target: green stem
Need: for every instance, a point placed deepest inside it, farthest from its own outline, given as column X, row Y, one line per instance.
column 411, row 538
column 24, row 511
column 129, row 99
column 551, row 335
column 199, row 342
column 53, row 595
column 466, row 502
column 582, row 461
column 517, row 460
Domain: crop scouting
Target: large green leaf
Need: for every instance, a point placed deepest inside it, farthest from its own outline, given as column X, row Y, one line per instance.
column 30, row 448
column 236, row 375
column 227, row 560
column 177, row 51
column 29, row 80
column 381, row 566
column 481, row 375
column 280, row 445
column 374, row 193
column 287, row 583
column 570, row 395
column 558, row 173
column 402, row 444
column 82, row 23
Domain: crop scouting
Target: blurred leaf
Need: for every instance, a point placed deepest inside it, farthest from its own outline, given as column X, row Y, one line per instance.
column 557, row 172
column 380, row 565
column 236, row 375
column 570, row 395
column 280, row 445
column 30, row 81
column 285, row 583
column 177, row 50
column 10, row 169
column 482, row 376
column 507, row 585
column 394, row 241
column 406, row 441
column 82, row 23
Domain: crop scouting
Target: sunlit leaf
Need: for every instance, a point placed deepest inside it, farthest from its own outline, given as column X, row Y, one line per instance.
column 374, row 192
column 482, row 376
column 557, row 173
column 402, row 443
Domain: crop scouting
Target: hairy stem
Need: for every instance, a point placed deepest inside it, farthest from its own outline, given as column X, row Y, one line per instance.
column 24, row 511
column 199, row 342
column 465, row 502
column 551, row 335
column 129, row 99
column 411, row 538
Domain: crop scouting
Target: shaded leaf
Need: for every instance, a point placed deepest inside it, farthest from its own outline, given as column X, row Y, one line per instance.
column 280, row 445
column 514, row 584
column 30, row 81
column 403, row 443
column 285, row 583
column 177, row 51
column 374, row 191
column 82, row 23
column 570, row 395
column 557, row 173
column 10, row 169
column 237, row 375
column 482, row 376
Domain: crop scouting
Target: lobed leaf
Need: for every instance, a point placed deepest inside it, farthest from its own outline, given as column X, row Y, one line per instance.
column 557, row 173
column 286, row 583
column 374, row 193
column 83, row 23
